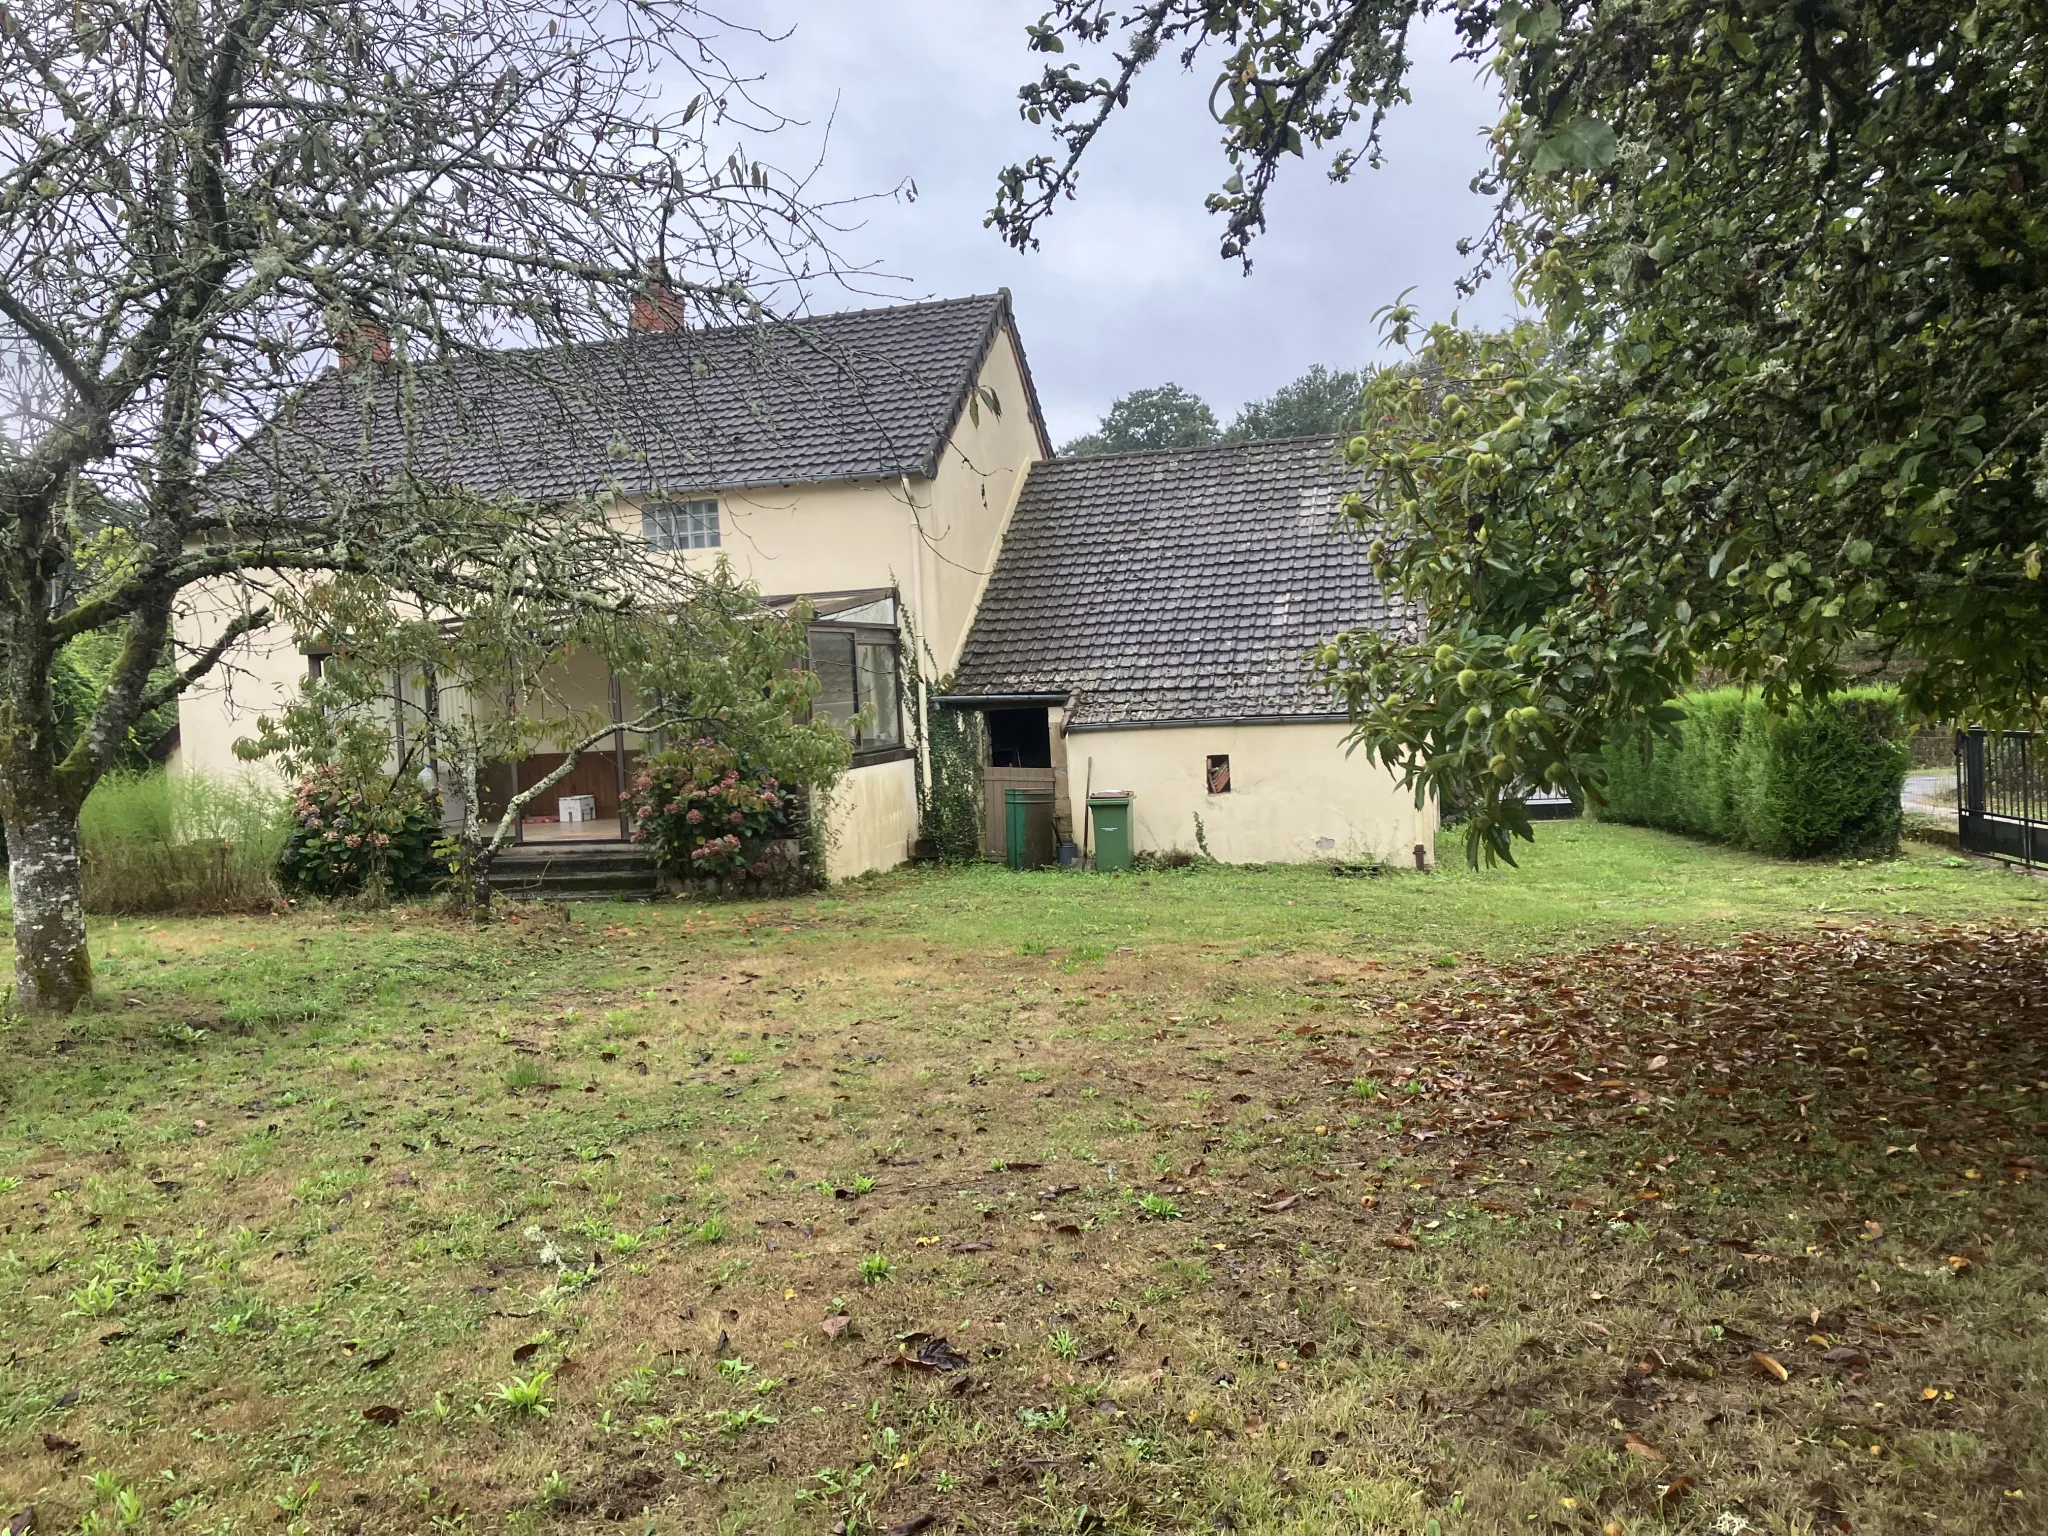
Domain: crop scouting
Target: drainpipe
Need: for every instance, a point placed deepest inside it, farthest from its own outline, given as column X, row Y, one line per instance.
column 1087, row 790
column 917, row 554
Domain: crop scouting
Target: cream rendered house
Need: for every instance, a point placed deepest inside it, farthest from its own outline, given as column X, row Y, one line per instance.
column 867, row 460
column 1138, row 623
column 1146, row 631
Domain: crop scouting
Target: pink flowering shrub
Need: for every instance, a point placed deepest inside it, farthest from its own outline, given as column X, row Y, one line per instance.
column 703, row 812
column 345, row 835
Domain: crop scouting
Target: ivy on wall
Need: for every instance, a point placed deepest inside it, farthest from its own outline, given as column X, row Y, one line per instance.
column 949, row 798
column 955, row 746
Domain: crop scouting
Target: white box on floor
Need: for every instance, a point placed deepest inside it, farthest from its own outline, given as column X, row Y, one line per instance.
column 578, row 807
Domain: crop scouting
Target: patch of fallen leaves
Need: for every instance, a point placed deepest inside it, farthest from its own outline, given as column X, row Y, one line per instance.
column 1794, row 1036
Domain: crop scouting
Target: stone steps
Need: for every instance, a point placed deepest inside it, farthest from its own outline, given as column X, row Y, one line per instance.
column 610, row 871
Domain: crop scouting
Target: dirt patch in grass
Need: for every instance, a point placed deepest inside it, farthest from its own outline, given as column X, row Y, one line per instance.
column 763, row 1221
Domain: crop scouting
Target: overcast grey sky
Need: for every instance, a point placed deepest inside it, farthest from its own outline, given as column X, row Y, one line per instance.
column 1127, row 289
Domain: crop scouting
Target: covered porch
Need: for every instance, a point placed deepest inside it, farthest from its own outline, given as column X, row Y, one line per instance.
column 588, row 804
column 853, row 644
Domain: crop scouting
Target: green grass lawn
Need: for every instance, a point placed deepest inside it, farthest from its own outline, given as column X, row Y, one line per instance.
column 1583, row 882
column 1649, row 1187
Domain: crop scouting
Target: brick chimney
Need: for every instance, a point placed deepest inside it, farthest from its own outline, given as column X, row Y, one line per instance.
column 362, row 341
column 657, row 308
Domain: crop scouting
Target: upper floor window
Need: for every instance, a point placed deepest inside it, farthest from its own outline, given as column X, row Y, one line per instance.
column 681, row 524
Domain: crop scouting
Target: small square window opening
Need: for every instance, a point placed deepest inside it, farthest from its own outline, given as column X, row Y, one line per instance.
column 681, row 524
column 1219, row 774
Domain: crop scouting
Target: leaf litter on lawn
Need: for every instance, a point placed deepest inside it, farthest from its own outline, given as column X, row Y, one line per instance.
column 1628, row 1333
column 1928, row 1044
column 1584, row 1193
column 1674, row 1099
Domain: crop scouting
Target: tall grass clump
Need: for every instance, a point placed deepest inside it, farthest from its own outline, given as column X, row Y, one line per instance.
column 194, row 843
column 1820, row 779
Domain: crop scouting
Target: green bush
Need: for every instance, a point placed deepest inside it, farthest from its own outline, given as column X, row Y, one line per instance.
column 1822, row 779
column 703, row 812
column 349, row 839
column 152, row 843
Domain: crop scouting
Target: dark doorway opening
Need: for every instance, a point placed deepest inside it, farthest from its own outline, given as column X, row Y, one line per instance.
column 1019, row 738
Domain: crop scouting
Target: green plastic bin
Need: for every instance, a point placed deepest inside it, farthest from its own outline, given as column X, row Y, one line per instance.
column 1111, row 814
column 1027, row 828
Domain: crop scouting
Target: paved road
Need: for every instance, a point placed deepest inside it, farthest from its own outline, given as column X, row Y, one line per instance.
column 1917, row 798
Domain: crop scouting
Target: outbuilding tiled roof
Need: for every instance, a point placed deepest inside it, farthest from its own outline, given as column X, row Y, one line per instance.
column 857, row 395
column 1182, row 585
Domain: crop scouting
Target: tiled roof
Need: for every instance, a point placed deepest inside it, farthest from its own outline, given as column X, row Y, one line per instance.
column 862, row 394
column 1183, row 585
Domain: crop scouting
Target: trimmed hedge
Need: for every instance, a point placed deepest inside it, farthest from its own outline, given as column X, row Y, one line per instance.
column 1824, row 779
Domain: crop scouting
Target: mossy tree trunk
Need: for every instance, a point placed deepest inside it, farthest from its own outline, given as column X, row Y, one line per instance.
column 44, row 779
column 52, row 961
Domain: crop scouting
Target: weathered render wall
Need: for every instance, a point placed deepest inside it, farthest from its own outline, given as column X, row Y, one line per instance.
column 968, row 505
column 262, row 675
column 1295, row 795
column 793, row 539
column 873, row 819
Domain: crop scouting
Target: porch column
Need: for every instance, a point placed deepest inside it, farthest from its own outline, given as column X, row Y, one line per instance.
column 518, row 821
column 618, row 703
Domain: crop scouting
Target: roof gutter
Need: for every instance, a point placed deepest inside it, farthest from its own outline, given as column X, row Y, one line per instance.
column 998, row 700
column 1207, row 720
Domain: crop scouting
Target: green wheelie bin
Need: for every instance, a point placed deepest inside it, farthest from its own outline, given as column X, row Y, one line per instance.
column 1110, row 812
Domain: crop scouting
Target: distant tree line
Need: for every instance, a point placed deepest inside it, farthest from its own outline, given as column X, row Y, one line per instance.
column 1168, row 416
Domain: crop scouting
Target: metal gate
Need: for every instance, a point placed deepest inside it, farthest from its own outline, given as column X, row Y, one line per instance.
column 2002, row 795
